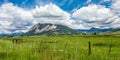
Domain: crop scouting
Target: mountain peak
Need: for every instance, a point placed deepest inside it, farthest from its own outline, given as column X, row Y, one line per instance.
column 47, row 28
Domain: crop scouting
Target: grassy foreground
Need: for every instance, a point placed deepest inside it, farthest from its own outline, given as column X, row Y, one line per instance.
column 66, row 47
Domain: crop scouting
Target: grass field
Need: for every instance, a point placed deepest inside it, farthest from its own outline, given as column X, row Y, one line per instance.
column 65, row 47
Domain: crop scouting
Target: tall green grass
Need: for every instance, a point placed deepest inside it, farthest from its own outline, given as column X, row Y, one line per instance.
column 66, row 47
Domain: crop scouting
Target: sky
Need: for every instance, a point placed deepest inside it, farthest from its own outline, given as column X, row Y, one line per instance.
column 19, row 15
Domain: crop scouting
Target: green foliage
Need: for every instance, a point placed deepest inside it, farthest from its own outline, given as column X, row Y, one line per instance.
column 61, row 47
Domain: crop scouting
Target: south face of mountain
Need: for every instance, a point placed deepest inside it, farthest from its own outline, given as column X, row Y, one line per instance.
column 49, row 29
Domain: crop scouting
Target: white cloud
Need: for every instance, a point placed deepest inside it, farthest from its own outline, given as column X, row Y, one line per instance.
column 50, row 11
column 93, row 13
column 14, row 18
column 52, row 14
column 96, row 16
column 116, row 6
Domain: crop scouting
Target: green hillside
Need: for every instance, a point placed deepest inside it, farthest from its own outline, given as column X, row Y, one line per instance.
column 116, row 31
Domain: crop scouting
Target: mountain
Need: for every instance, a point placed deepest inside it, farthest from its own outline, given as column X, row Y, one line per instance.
column 55, row 29
column 49, row 29
column 94, row 30
column 12, row 34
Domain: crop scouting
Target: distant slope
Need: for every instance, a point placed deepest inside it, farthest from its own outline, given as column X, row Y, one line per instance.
column 94, row 30
column 49, row 29
column 115, row 31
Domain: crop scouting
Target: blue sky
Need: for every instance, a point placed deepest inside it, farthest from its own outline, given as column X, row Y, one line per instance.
column 67, row 5
column 19, row 15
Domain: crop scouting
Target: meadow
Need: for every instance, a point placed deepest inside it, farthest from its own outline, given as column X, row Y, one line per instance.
column 62, row 47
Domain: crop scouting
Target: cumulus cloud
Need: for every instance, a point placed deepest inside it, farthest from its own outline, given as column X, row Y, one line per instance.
column 96, row 16
column 116, row 6
column 14, row 18
column 52, row 14
column 93, row 13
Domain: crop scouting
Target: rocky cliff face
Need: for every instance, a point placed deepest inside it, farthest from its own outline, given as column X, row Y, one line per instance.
column 49, row 29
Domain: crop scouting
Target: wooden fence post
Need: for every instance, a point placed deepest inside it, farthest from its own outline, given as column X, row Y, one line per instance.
column 109, row 51
column 110, row 47
column 89, row 48
column 55, row 46
column 76, row 51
